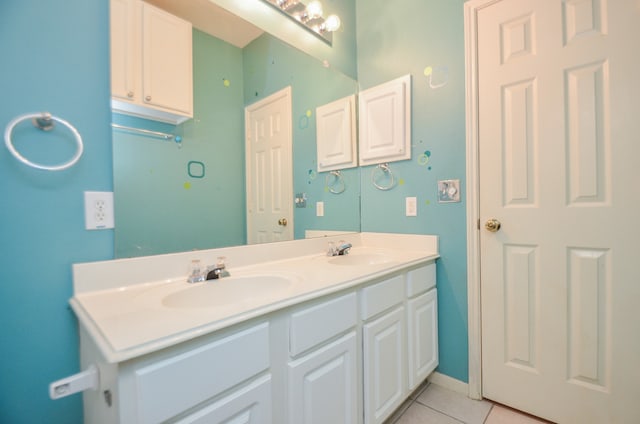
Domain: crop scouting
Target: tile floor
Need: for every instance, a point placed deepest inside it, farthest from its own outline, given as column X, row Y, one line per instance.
column 434, row 404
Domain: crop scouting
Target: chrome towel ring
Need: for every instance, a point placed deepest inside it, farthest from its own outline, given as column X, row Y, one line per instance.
column 45, row 122
column 336, row 185
column 384, row 170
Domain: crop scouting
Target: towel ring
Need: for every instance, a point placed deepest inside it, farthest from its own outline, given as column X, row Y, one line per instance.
column 384, row 168
column 43, row 121
column 337, row 185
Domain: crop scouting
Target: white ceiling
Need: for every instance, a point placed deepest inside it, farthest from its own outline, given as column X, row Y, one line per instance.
column 212, row 19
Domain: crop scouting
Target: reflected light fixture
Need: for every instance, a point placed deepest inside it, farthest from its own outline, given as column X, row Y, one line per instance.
column 309, row 17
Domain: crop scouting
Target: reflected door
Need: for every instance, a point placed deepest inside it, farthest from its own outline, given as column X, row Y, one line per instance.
column 269, row 169
column 558, row 207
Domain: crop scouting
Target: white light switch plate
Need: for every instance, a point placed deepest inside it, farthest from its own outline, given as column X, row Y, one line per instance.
column 320, row 209
column 98, row 210
column 411, row 206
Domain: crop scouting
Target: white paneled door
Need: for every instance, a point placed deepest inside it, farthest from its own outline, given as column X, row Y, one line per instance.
column 559, row 143
column 269, row 169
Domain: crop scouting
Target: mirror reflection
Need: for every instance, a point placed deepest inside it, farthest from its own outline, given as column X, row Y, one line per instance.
column 172, row 197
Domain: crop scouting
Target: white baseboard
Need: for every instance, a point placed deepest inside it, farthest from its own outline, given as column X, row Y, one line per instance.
column 449, row 383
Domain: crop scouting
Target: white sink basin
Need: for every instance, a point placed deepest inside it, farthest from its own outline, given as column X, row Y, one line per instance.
column 229, row 290
column 361, row 259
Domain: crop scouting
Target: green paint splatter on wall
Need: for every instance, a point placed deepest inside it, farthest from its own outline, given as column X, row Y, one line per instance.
column 187, row 185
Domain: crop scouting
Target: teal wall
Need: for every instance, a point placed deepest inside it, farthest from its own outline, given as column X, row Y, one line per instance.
column 271, row 65
column 396, row 40
column 54, row 58
column 160, row 208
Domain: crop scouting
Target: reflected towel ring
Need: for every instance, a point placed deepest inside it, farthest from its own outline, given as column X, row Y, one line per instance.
column 384, row 167
column 337, row 185
column 43, row 121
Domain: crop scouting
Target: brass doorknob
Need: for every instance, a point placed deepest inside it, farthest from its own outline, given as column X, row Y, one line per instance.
column 492, row 225
column 283, row 222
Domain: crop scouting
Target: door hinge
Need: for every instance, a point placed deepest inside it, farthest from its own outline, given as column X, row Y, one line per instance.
column 478, row 224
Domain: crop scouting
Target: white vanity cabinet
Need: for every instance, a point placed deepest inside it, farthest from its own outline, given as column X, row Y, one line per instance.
column 347, row 357
column 151, row 62
column 323, row 371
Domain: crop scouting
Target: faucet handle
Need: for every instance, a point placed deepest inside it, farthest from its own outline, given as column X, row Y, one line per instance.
column 196, row 273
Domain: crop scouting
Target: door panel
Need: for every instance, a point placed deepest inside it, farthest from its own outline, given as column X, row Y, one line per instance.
column 558, row 125
column 269, row 169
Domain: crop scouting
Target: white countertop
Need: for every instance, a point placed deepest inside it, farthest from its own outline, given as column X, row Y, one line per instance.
column 126, row 317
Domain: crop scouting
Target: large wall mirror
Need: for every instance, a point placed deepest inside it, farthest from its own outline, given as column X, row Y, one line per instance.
column 172, row 198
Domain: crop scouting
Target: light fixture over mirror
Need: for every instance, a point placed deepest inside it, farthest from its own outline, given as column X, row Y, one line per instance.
column 309, row 17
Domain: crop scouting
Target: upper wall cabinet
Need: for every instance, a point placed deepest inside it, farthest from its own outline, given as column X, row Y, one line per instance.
column 151, row 62
column 336, row 134
column 385, row 122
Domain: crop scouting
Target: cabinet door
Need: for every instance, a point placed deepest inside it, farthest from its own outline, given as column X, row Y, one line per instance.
column 167, row 61
column 385, row 122
column 384, row 365
column 323, row 385
column 125, row 48
column 249, row 405
column 336, row 134
column 422, row 337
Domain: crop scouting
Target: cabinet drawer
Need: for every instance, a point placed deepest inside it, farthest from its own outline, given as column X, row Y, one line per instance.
column 167, row 387
column 315, row 324
column 420, row 280
column 382, row 296
column 251, row 404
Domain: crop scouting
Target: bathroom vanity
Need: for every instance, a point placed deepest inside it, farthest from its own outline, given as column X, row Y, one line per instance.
column 292, row 336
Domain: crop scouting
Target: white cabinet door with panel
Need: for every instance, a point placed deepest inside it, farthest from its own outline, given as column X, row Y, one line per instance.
column 167, row 61
column 422, row 337
column 336, row 134
column 125, row 50
column 385, row 122
column 384, row 365
column 323, row 385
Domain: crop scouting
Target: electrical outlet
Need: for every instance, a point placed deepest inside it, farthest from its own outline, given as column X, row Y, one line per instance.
column 411, row 206
column 98, row 210
column 319, row 208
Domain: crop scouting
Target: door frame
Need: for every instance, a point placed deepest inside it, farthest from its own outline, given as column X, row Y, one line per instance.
column 474, row 316
column 283, row 93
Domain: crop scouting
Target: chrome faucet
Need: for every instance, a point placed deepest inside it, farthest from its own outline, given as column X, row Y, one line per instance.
column 197, row 274
column 218, row 271
column 341, row 249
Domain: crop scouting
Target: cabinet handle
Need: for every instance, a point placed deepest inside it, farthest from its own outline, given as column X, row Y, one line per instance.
column 130, row 94
column 148, row 98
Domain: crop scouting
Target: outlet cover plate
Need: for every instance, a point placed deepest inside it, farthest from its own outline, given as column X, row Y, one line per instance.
column 98, row 210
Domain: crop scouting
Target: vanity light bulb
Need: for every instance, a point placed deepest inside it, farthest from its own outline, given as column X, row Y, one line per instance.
column 332, row 23
column 314, row 9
